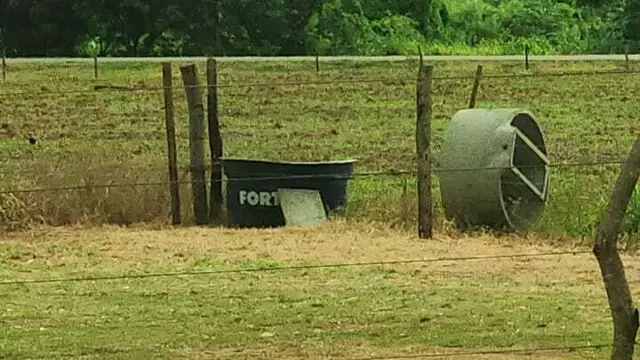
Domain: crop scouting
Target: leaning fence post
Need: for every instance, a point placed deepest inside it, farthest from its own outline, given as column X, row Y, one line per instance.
column 196, row 143
column 423, row 135
column 476, row 87
column 215, row 141
column 172, row 153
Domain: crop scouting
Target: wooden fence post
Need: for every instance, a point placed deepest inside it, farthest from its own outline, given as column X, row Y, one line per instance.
column 526, row 56
column 627, row 64
column 4, row 63
column 625, row 316
column 196, row 143
column 172, row 152
column 215, row 141
column 95, row 66
column 404, row 207
column 476, row 86
column 423, row 136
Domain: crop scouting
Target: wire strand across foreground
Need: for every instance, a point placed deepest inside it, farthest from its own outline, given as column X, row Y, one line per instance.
column 293, row 267
column 402, row 81
column 484, row 352
column 295, row 177
column 459, row 354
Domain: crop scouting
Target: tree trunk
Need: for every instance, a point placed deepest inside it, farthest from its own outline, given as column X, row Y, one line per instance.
column 625, row 316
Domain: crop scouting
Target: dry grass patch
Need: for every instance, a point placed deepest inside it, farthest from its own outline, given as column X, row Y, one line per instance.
column 334, row 242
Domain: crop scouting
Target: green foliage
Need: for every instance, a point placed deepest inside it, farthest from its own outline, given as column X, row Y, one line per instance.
column 397, row 34
column 331, row 27
column 631, row 224
column 89, row 47
column 557, row 22
column 473, row 22
column 341, row 28
column 632, row 22
column 169, row 43
column 605, row 32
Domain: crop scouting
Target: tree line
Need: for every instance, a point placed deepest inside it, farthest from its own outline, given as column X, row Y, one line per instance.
column 326, row 27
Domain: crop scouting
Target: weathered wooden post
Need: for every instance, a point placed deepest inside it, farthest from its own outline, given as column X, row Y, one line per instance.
column 196, row 143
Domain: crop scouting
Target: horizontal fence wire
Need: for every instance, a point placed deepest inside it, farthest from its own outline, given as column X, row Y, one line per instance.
column 205, row 289
column 528, row 351
column 457, row 354
column 605, row 135
column 294, row 267
column 56, row 168
column 257, row 293
column 302, row 177
column 404, row 81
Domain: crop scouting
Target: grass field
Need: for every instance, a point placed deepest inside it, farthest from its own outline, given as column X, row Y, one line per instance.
column 88, row 137
column 357, row 312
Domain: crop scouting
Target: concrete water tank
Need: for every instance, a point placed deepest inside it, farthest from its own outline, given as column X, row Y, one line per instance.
column 494, row 170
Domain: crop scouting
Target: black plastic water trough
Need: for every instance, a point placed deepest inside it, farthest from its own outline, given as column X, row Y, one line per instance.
column 252, row 187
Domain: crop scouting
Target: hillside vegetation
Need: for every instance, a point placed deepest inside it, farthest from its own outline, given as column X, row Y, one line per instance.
column 330, row 27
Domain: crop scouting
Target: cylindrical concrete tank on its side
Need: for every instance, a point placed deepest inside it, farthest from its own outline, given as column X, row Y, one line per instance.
column 494, row 169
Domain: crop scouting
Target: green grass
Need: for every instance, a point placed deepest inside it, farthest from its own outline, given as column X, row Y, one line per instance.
column 239, row 312
column 306, row 313
column 101, row 137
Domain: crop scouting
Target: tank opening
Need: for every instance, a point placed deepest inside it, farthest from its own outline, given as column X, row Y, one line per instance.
column 530, row 129
column 521, row 204
column 529, row 158
column 524, row 188
column 530, row 164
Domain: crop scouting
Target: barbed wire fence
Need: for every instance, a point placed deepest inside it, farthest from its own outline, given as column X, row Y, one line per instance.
column 218, row 272
column 411, row 173
column 444, row 353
